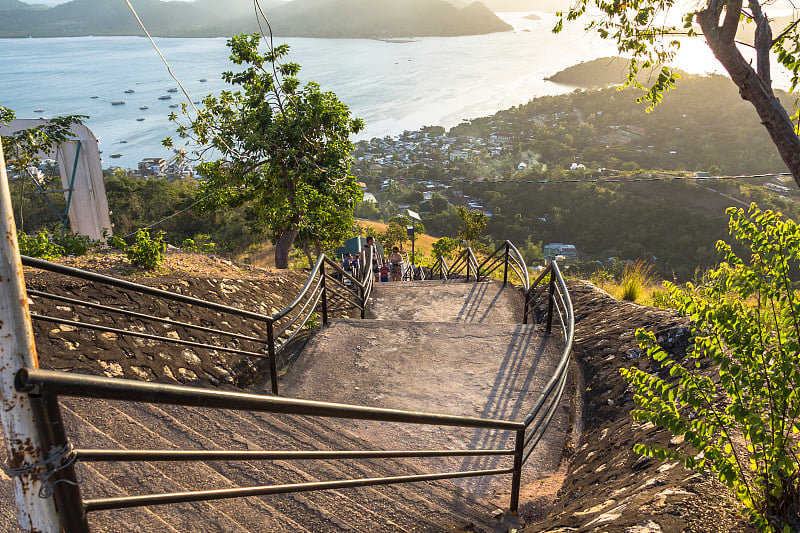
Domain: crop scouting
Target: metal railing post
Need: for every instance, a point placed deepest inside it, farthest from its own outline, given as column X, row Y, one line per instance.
column 551, row 300
column 17, row 351
column 505, row 268
column 64, row 482
column 361, row 292
column 324, row 296
column 525, row 307
column 273, row 365
column 516, row 480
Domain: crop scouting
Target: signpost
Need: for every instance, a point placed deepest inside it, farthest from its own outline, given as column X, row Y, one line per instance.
column 414, row 216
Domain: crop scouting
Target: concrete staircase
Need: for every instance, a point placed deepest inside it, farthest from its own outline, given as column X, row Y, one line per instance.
column 443, row 347
column 446, row 347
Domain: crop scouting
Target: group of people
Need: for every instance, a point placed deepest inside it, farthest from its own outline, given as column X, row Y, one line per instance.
column 381, row 269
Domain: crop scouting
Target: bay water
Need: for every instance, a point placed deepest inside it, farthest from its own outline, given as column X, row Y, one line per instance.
column 393, row 86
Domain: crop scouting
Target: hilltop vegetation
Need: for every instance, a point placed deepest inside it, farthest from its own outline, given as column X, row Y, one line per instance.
column 600, row 72
column 207, row 18
column 498, row 164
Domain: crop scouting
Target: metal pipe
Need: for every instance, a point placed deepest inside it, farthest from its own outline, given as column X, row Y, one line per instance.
column 90, row 455
column 108, row 280
column 149, row 336
column 64, row 482
column 550, row 302
column 142, row 316
column 516, row 480
column 180, row 497
column 273, row 366
column 68, row 384
column 17, row 350
column 505, row 268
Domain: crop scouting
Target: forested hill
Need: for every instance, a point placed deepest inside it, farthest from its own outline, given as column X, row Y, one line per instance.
column 209, row 18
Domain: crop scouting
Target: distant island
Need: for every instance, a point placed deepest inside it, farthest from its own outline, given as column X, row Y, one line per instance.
column 210, row 18
column 601, row 72
column 533, row 16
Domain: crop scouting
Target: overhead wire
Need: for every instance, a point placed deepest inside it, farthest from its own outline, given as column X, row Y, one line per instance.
column 610, row 179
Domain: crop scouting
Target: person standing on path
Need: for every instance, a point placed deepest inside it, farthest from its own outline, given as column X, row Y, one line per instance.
column 396, row 264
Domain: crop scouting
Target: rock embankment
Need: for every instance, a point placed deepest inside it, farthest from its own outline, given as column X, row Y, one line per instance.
column 65, row 347
column 609, row 487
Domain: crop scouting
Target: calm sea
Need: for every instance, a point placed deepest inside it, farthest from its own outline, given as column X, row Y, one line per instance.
column 392, row 86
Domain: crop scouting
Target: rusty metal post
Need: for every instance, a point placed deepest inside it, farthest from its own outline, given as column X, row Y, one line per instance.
column 66, row 492
column 551, row 299
column 516, row 480
column 17, row 351
column 273, row 365
column 324, row 296
column 505, row 267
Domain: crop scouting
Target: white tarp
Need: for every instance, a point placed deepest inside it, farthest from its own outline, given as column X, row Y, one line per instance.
column 88, row 211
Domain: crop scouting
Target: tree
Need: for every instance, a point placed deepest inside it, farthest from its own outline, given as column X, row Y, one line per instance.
column 283, row 149
column 472, row 224
column 740, row 417
column 640, row 29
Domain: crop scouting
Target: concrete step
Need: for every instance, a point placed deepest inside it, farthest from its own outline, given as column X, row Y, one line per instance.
column 467, row 369
column 424, row 507
column 118, row 425
column 487, row 302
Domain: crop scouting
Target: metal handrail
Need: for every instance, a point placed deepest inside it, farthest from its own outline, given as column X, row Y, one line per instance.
column 543, row 410
column 282, row 327
column 322, row 284
column 47, row 386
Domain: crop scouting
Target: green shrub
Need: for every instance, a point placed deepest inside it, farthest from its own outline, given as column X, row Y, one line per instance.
column 189, row 245
column 117, row 243
column 742, row 422
column 73, row 244
column 147, row 252
column 39, row 246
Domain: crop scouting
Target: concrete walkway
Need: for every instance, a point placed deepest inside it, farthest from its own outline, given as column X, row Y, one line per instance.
column 444, row 347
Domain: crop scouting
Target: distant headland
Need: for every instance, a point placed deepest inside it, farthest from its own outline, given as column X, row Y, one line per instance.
column 381, row 19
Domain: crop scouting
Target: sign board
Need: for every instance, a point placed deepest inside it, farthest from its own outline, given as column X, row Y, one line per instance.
column 79, row 166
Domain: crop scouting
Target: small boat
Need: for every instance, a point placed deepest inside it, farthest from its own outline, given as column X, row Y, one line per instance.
column 95, row 97
column 128, row 91
column 139, row 119
column 165, row 97
column 123, row 141
column 118, row 102
column 173, row 106
column 115, row 156
column 144, row 107
column 38, row 110
column 203, row 80
column 172, row 90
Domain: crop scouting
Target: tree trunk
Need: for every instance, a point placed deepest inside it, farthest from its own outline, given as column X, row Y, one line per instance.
column 753, row 89
column 282, row 247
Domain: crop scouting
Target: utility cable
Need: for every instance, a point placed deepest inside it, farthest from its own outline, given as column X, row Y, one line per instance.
column 170, row 216
column 610, row 179
column 169, row 69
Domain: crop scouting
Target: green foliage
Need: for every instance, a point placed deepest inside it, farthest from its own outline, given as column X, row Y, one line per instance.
column 284, row 150
column 395, row 235
column 146, row 251
column 472, row 224
column 74, row 244
column 742, row 423
column 444, row 247
column 117, row 243
column 22, row 148
column 39, row 246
